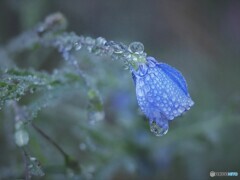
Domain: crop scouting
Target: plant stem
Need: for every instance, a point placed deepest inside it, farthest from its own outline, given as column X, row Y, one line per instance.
column 65, row 155
column 26, row 172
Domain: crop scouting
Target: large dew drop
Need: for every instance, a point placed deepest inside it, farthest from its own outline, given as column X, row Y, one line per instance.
column 159, row 130
column 136, row 48
column 100, row 41
column 21, row 138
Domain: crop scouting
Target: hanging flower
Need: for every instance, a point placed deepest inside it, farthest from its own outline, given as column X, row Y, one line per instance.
column 161, row 92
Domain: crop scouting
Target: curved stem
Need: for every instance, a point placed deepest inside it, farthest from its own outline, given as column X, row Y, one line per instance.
column 64, row 154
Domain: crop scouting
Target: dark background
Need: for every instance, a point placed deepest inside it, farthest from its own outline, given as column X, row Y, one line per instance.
column 200, row 38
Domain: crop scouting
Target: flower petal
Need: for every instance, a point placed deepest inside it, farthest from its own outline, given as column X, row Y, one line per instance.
column 175, row 75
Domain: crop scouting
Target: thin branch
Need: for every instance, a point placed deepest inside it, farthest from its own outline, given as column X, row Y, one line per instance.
column 26, row 171
column 64, row 154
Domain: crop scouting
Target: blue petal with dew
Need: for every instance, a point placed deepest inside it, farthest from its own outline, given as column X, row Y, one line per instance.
column 162, row 94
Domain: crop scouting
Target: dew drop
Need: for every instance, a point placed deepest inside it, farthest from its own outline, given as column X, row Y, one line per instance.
column 34, row 167
column 134, row 58
column 147, row 78
column 175, row 112
column 141, row 83
column 181, row 109
column 100, row 41
column 150, row 99
column 190, row 102
column 152, row 87
column 118, row 48
column 146, row 88
column 159, row 130
column 77, row 46
column 165, row 95
column 139, row 92
column 89, row 41
column 21, row 138
column 164, row 109
column 136, row 48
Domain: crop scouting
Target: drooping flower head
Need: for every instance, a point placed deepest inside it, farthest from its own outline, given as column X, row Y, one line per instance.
column 161, row 92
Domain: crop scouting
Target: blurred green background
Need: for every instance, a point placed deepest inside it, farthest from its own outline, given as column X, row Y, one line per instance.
column 200, row 38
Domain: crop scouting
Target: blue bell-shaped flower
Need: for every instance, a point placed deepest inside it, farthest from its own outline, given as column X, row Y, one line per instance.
column 161, row 92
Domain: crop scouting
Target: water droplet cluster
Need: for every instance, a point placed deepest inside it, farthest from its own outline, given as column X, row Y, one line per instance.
column 131, row 55
column 33, row 165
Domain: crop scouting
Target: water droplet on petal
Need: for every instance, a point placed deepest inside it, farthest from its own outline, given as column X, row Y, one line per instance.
column 95, row 117
column 139, row 92
column 181, row 109
column 147, row 88
column 147, row 78
column 190, row 102
column 141, row 83
column 159, row 130
column 150, row 99
column 165, row 95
